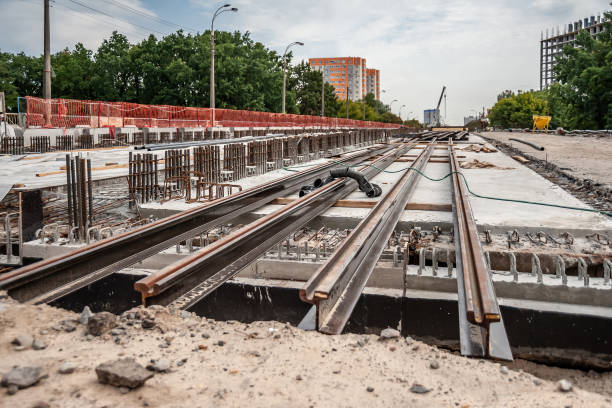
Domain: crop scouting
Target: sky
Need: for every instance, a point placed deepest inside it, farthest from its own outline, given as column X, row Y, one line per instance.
column 475, row 48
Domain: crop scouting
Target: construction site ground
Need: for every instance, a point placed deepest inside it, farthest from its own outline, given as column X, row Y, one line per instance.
column 271, row 364
column 582, row 156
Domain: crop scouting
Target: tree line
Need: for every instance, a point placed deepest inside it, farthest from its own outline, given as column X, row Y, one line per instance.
column 175, row 70
column 581, row 97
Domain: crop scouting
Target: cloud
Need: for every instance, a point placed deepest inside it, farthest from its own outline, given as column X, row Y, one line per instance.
column 21, row 23
column 476, row 48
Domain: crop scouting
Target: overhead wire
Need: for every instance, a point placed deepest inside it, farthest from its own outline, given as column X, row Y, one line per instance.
column 114, row 17
column 151, row 16
column 90, row 17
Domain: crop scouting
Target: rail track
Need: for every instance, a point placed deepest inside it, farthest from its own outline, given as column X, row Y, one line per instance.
column 337, row 284
column 481, row 327
column 55, row 277
column 188, row 281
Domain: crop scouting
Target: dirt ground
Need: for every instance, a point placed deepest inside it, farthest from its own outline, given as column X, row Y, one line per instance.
column 271, row 364
column 584, row 157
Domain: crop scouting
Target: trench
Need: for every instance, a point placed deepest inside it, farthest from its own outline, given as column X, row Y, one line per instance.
column 565, row 340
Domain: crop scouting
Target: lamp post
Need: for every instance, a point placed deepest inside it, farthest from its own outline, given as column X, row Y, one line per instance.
column 222, row 9
column 323, row 92
column 285, row 70
column 400, row 111
column 391, row 105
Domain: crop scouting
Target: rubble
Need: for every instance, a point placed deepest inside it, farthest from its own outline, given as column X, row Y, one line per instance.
column 101, row 323
column 124, row 372
column 23, row 376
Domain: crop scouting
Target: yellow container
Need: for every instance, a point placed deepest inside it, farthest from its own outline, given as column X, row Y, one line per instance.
column 540, row 122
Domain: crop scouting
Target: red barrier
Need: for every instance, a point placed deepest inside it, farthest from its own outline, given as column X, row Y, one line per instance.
column 71, row 113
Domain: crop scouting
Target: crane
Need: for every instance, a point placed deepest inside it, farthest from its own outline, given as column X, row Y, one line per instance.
column 438, row 106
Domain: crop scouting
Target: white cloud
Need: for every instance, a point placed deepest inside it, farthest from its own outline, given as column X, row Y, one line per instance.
column 476, row 48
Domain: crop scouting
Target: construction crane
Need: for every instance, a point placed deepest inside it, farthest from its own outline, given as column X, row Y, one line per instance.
column 442, row 94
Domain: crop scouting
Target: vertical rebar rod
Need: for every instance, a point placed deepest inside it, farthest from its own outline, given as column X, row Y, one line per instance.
column 69, row 191
column 90, row 192
column 82, row 181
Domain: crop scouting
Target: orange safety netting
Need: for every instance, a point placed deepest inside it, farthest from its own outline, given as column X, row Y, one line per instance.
column 72, row 113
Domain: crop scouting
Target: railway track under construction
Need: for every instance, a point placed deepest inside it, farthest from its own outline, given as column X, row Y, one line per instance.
column 333, row 289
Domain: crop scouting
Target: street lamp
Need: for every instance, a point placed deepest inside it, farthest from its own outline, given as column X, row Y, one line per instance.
column 400, row 111
column 391, row 104
column 285, row 69
column 222, row 9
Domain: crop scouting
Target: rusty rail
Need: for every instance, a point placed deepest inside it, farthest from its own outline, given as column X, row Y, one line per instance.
column 481, row 327
column 337, row 285
column 54, row 277
column 186, row 282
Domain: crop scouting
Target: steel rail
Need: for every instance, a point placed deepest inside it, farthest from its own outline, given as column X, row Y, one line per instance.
column 336, row 286
column 481, row 327
column 52, row 278
column 188, row 281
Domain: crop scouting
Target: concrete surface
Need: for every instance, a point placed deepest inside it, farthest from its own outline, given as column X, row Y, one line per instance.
column 584, row 157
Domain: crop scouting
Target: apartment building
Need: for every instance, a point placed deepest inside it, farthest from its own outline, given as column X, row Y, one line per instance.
column 373, row 82
column 348, row 74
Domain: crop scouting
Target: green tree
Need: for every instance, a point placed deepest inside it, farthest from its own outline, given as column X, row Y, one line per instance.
column 6, row 81
column 111, row 78
column 73, row 73
column 583, row 96
column 518, row 110
column 413, row 123
column 305, row 85
column 20, row 75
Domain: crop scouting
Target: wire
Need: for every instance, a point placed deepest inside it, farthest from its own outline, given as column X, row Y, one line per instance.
column 113, row 17
column 608, row 213
column 150, row 15
column 81, row 14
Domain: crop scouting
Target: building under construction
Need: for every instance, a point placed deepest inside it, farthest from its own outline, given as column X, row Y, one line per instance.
column 552, row 42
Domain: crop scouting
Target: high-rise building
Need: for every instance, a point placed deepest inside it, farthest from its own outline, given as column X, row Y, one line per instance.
column 431, row 117
column 373, row 82
column 551, row 45
column 348, row 73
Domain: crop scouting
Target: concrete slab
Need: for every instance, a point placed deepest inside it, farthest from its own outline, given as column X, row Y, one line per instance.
column 522, row 183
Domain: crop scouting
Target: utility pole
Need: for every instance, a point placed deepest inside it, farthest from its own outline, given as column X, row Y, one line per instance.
column 347, row 99
column 47, row 66
column 322, row 94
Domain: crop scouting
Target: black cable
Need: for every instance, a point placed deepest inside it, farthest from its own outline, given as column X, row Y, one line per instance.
column 82, row 14
column 150, row 15
column 114, row 17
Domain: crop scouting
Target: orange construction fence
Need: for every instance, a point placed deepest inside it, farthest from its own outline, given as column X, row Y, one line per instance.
column 67, row 113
